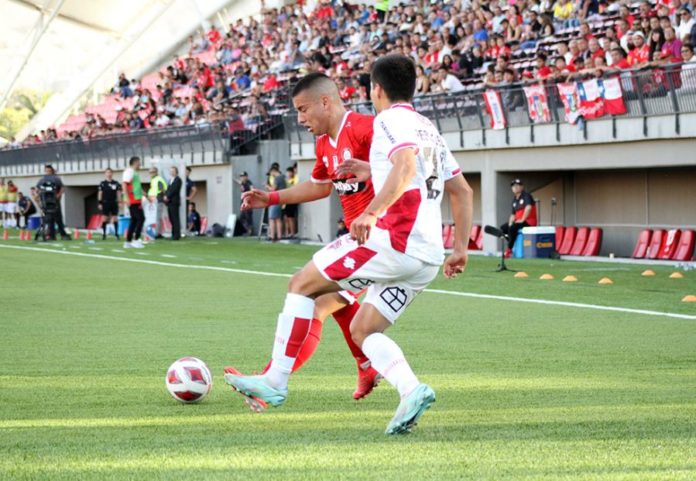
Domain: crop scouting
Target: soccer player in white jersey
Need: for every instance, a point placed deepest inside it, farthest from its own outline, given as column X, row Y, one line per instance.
column 394, row 248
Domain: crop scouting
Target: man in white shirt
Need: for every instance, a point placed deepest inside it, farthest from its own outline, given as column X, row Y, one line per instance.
column 394, row 248
column 448, row 82
column 686, row 23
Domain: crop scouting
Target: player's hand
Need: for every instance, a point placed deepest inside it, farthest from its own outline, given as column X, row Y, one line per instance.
column 361, row 227
column 358, row 170
column 455, row 264
column 254, row 199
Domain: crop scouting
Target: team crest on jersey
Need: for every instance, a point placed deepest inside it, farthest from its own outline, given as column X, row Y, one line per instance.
column 347, row 154
column 349, row 263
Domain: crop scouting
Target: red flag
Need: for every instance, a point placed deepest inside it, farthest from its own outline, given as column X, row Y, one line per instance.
column 613, row 97
column 569, row 96
column 494, row 106
column 591, row 99
column 537, row 104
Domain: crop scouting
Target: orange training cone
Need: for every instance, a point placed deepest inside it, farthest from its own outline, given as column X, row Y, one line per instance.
column 89, row 234
column 76, row 233
column 27, row 235
column 546, row 277
column 689, row 299
column 648, row 273
column 570, row 279
column 676, row 275
column 521, row 275
column 5, row 234
column 605, row 280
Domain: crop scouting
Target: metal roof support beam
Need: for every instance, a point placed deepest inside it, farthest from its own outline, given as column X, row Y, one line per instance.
column 39, row 29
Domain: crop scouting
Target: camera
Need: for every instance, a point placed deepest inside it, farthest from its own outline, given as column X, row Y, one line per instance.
column 48, row 196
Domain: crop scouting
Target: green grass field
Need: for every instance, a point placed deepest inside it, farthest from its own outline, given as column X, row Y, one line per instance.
column 525, row 391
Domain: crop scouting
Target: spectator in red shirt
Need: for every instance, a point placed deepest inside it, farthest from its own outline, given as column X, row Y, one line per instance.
column 625, row 13
column 213, row 35
column 640, row 55
column 618, row 59
column 595, row 49
column 542, row 70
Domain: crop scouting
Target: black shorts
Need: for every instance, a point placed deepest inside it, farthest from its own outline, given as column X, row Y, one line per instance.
column 290, row 210
column 110, row 208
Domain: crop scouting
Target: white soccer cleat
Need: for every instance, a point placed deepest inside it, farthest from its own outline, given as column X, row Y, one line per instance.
column 127, row 245
column 138, row 244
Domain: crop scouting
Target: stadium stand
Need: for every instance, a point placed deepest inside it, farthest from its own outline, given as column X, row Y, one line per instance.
column 245, row 70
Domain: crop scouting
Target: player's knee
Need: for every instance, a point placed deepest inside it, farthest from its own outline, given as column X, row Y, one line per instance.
column 358, row 333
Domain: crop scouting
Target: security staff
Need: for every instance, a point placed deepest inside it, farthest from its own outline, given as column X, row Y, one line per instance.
column 173, row 199
column 158, row 186
column 108, row 195
column 524, row 213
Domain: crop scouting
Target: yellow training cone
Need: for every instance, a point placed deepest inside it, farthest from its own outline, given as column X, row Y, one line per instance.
column 676, row 275
column 546, row 277
column 605, row 280
column 570, row 279
column 521, row 275
column 648, row 273
column 689, row 299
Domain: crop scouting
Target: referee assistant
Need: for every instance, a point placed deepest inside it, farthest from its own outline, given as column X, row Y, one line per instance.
column 524, row 213
column 108, row 197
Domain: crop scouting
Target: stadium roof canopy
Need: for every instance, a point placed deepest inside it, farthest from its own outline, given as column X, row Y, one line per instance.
column 72, row 47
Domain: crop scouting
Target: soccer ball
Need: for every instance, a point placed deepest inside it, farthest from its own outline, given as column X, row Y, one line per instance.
column 189, row 380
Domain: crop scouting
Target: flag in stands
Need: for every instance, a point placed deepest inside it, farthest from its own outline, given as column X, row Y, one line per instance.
column 537, row 103
column 494, row 106
column 591, row 96
column 569, row 97
column 613, row 97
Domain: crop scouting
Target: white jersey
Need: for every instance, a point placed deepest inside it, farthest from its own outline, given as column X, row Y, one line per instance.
column 413, row 224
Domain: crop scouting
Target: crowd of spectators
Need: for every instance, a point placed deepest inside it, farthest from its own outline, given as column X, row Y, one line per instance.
column 238, row 74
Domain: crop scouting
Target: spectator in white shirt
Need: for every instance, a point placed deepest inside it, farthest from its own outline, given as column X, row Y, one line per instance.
column 685, row 24
column 448, row 82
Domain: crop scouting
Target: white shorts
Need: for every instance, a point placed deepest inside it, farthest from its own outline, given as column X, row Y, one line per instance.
column 11, row 207
column 392, row 278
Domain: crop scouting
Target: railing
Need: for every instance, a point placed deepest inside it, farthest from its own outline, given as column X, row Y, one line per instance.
column 197, row 144
column 667, row 90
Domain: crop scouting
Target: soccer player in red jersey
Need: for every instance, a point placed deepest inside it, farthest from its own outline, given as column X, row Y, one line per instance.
column 341, row 136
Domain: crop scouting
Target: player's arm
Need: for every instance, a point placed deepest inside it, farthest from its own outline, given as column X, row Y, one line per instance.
column 398, row 180
column 461, row 198
column 99, row 197
column 126, row 193
column 306, row 191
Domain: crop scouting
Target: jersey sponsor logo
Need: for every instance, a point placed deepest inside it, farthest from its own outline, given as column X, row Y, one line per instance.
column 386, row 132
column 344, row 188
column 394, row 297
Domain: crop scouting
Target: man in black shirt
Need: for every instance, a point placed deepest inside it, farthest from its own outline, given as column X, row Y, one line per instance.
column 26, row 208
column 245, row 216
column 194, row 220
column 51, row 189
column 108, row 195
column 173, row 200
column 523, row 213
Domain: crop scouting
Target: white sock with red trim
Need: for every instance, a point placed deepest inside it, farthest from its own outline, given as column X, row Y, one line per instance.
column 291, row 331
column 388, row 359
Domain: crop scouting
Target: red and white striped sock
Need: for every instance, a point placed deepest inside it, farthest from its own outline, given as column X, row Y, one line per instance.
column 291, row 331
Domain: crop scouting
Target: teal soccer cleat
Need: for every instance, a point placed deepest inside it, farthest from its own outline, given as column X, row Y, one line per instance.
column 410, row 409
column 258, row 388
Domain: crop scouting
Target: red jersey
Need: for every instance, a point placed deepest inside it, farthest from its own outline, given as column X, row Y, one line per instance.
column 353, row 142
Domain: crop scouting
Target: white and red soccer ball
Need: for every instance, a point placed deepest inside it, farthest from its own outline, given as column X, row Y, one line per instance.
column 189, row 380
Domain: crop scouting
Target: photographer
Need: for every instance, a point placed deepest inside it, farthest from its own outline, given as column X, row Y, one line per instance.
column 50, row 191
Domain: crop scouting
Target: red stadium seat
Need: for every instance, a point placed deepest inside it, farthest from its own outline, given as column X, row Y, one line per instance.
column 685, row 248
column 95, row 222
column 580, row 241
column 669, row 245
column 642, row 245
column 479, row 240
column 475, row 229
column 568, row 239
column 204, row 225
column 446, row 234
column 560, row 230
column 655, row 244
column 594, row 242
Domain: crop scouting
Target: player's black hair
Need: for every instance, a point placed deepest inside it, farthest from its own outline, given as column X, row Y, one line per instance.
column 307, row 82
column 396, row 74
column 133, row 160
column 108, row 169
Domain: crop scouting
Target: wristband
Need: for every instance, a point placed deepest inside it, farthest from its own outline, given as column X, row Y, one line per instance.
column 273, row 198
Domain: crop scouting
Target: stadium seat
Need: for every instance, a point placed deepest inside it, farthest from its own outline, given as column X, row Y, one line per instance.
column 446, row 233
column 95, row 222
column 580, row 241
column 685, row 248
column 204, row 225
column 479, row 240
column 642, row 245
column 655, row 244
column 568, row 239
column 560, row 230
column 669, row 245
column 594, row 242
column 449, row 241
column 475, row 229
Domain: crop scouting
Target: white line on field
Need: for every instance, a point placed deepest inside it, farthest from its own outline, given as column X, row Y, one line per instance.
column 432, row 291
column 117, row 250
column 169, row 256
column 95, row 248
